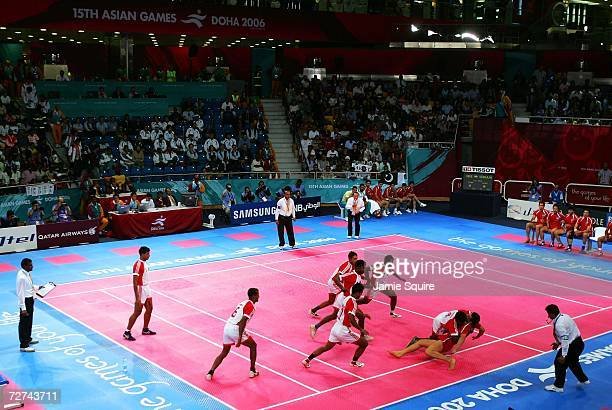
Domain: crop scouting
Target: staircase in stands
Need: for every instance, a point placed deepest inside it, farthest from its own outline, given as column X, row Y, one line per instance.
column 280, row 136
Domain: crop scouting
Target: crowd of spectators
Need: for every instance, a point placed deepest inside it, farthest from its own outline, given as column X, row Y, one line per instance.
column 340, row 123
column 25, row 155
column 212, row 137
column 552, row 94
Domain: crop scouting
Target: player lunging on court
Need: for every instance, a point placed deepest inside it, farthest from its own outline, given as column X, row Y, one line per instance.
column 342, row 332
column 345, row 282
column 142, row 294
column 454, row 330
column 234, row 333
column 373, row 285
column 334, row 285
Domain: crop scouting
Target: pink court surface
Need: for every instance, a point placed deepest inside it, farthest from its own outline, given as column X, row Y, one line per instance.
column 191, row 306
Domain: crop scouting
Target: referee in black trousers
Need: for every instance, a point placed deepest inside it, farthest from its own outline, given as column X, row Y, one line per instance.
column 285, row 215
column 570, row 345
column 25, row 300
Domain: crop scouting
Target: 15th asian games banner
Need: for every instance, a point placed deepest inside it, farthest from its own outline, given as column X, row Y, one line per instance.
column 559, row 153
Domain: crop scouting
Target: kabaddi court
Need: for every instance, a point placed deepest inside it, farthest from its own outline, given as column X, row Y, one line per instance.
column 199, row 278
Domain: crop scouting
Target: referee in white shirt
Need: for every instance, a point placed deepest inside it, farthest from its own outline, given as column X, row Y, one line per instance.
column 354, row 206
column 25, row 298
column 285, row 215
column 567, row 336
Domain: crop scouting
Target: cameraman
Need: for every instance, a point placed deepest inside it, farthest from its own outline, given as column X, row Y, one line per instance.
column 36, row 214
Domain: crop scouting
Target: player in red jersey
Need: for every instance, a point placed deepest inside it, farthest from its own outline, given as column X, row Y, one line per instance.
column 584, row 229
column 142, row 294
column 412, row 198
column 607, row 237
column 347, row 281
column 342, row 332
column 334, row 284
column 569, row 222
column 554, row 225
column 538, row 220
column 376, row 195
column 390, row 195
column 454, row 330
column 234, row 333
column 401, row 194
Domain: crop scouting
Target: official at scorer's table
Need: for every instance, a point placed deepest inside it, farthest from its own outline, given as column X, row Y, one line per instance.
column 285, row 215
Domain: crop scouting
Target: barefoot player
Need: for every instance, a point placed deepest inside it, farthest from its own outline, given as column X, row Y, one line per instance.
column 142, row 294
column 234, row 333
column 344, row 330
column 584, row 229
column 334, row 284
column 538, row 219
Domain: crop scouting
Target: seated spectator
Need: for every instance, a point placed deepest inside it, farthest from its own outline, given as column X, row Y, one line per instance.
column 134, row 202
column 61, row 211
column 247, row 196
column 192, row 155
column 298, row 190
column 159, row 200
column 95, row 211
column 148, row 202
column 117, row 202
column 263, row 192
column 62, row 76
column 102, row 93
column 138, row 156
column 257, row 164
column 169, row 199
column 10, row 221
column 119, row 179
column 133, row 93
column 36, row 214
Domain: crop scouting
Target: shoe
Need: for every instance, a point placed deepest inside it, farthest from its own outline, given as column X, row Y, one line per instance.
column 348, row 236
column 209, row 376
column 293, row 246
column 551, row 245
column 27, row 349
column 584, row 383
column 313, row 331
column 599, row 253
column 128, row 336
column 560, row 246
column 409, row 211
column 552, row 387
column 356, row 363
column 33, row 342
column 541, row 243
column 384, row 214
column 253, row 374
column 394, row 315
column 313, row 314
column 306, row 363
column 414, row 212
column 148, row 332
column 281, row 247
column 527, row 240
column 568, row 249
column 368, row 338
column 423, row 205
column 357, row 237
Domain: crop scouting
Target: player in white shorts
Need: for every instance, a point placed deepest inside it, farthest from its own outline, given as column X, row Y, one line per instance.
column 343, row 330
column 334, row 286
column 234, row 333
column 346, row 281
column 143, row 296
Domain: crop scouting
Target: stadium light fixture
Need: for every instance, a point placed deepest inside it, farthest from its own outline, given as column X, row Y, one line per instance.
column 414, row 28
column 43, row 29
column 432, row 33
column 80, row 31
column 487, row 38
column 469, row 36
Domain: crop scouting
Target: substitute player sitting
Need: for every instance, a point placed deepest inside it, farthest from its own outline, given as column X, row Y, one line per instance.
column 412, row 198
column 584, row 229
column 569, row 222
column 554, row 225
column 334, row 284
column 390, row 195
column 344, row 330
column 538, row 220
column 346, row 282
column 607, row 237
column 234, row 333
column 453, row 330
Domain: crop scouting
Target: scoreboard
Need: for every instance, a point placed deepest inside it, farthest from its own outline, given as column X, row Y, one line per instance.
column 477, row 178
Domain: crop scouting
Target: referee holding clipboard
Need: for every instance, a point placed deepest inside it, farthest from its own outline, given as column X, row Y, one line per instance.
column 285, row 215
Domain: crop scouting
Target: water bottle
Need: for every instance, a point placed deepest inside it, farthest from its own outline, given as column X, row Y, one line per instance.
column 124, row 367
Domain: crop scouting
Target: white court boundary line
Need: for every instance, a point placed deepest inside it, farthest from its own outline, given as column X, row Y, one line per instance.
column 586, row 292
column 419, row 364
column 477, row 375
column 234, row 352
column 215, row 271
column 252, row 332
column 124, row 347
column 504, row 283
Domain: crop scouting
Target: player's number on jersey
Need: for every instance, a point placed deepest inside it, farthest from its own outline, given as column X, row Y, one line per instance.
column 235, row 312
